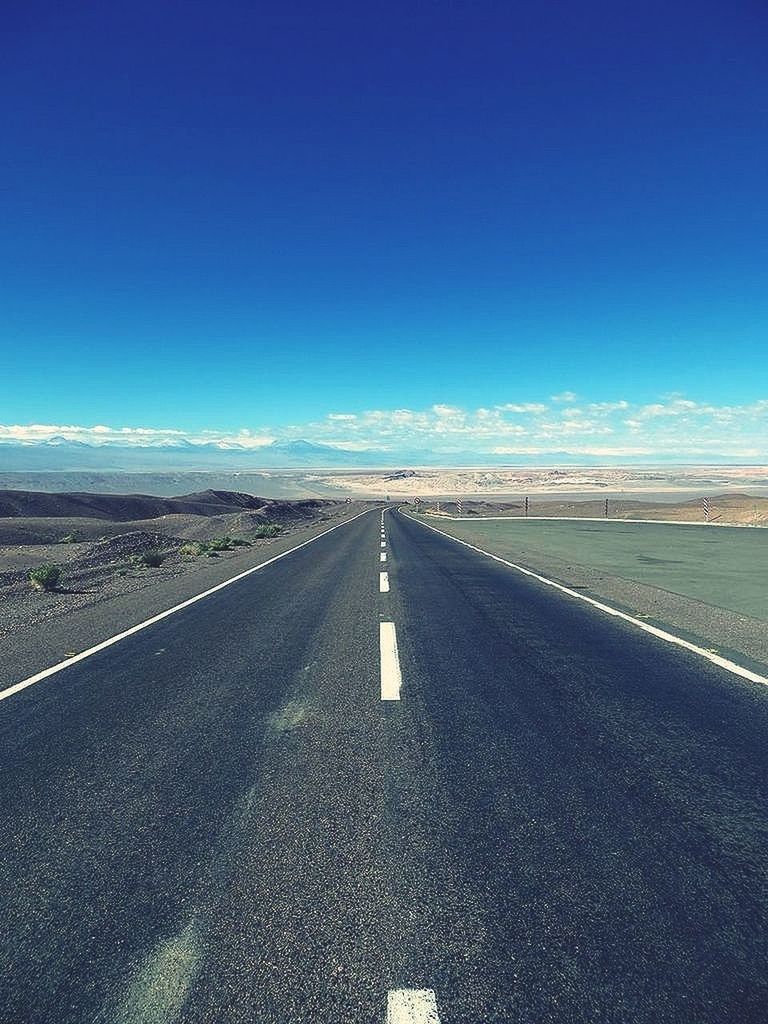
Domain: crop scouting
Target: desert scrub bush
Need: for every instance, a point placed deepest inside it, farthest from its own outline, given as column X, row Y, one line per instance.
column 267, row 530
column 211, row 548
column 69, row 539
column 193, row 549
column 152, row 559
column 45, row 577
column 219, row 544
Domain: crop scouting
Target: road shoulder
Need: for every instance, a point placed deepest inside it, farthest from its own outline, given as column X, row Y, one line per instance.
column 32, row 647
column 737, row 637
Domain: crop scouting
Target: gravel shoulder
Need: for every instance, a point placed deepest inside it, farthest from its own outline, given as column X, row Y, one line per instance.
column 95, row 601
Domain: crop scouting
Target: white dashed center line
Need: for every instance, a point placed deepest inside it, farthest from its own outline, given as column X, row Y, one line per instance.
column 391, row 681
column 383, row 543
column 383, row 556
column 412, row 1006
column 383, row 582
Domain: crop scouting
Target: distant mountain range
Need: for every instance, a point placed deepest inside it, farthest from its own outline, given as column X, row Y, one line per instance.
column 57, row 454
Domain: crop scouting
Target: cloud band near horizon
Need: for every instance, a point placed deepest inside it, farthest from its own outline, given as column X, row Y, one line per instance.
column 563, row 423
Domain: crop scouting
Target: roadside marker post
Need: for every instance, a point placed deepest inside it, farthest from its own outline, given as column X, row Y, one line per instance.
column 707, row 508
column 606, row 508
column 459, row 507
column 526, row 506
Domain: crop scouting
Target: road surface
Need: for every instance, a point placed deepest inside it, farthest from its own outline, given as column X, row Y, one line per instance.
column 551, row 817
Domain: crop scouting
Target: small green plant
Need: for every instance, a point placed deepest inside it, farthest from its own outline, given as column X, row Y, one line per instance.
column 192, row 549
column 211, row 548
column 151, row 559
column 45, row 577
column 219, row 544
column 267, row 530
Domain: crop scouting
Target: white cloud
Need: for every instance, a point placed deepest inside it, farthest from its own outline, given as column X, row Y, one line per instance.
column 565, row 396
column 673, row 425
column 606, row 407
column 523, row 407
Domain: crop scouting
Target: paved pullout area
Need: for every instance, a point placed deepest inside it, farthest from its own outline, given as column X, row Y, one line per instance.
column 310, row 798
column 706, row 583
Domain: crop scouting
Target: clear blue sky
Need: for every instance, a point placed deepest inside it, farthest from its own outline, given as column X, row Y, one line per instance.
column 250, row 215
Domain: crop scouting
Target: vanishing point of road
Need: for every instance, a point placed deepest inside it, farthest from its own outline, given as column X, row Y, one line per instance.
column 385, row 778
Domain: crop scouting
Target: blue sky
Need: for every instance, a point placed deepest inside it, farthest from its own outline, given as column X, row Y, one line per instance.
column 274, row 217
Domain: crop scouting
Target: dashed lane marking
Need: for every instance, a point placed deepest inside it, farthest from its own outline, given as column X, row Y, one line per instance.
column 412, row 1006
column 383, row 582
column 383, row 556
column 391, row 680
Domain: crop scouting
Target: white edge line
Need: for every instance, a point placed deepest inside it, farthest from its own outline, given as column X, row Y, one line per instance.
column 39, row 676
column 412, row 1006
column 661, row 634
column 391, row 678
column 587, row 519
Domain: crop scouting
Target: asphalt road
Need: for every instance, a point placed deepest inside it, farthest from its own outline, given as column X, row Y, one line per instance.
column 219, row 820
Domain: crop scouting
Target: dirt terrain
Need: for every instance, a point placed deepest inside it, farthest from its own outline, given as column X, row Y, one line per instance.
column 108, row 544
column 649, row 483
column 732, row 509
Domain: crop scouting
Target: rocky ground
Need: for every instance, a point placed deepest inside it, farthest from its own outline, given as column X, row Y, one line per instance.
column 102, row 554
column 728, row 509
column 659, row 485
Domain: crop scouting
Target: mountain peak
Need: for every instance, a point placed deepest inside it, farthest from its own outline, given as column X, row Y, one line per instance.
column 301, row 445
